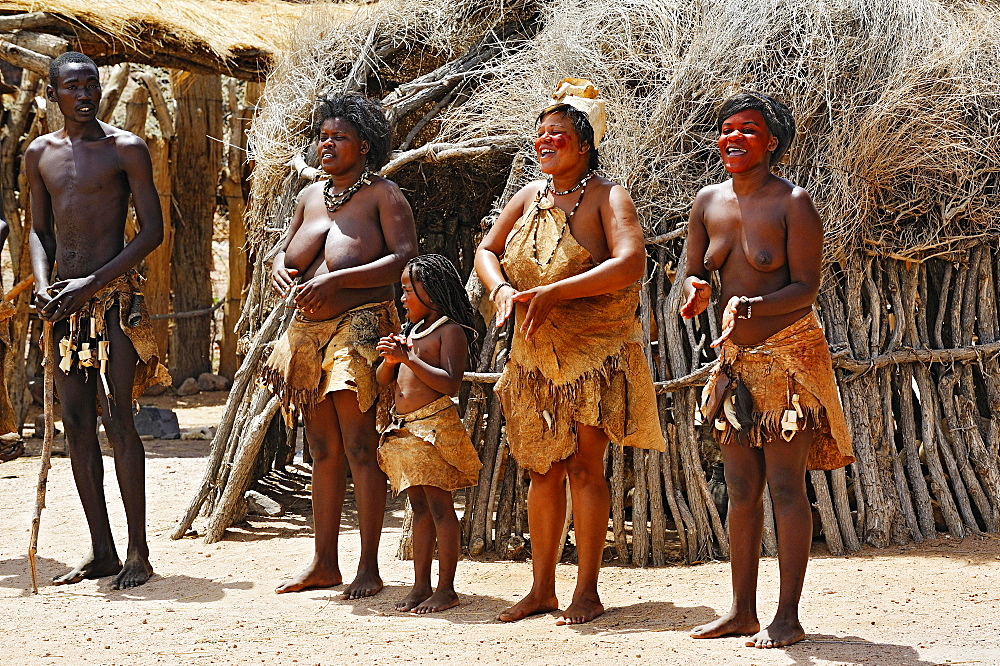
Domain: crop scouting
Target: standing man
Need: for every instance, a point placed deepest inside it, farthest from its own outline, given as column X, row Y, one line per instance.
column 348, row 241
column 80, row 178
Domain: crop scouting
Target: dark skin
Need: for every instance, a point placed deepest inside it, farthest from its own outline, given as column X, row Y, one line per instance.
column 344, row 259
column 424, row 370
column 764, row 237
column 606, row 225
column 80, row 179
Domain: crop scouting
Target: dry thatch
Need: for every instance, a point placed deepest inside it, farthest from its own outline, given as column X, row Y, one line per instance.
column 897, row 102
column 231, row 36
column 380, row 49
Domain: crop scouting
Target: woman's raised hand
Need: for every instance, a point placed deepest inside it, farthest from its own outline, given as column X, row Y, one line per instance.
column 699, row 294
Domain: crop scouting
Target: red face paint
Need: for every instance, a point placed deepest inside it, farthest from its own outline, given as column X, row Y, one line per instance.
column 745, row 141
column 558, row 141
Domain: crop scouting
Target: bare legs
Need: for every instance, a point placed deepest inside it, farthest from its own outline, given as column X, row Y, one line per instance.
column 782, row 465
column 337, row 427
column 433, row 519
column 546, row 512
column 78, row 393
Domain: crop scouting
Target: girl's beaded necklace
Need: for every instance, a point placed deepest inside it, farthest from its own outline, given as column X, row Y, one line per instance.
column 582, row 186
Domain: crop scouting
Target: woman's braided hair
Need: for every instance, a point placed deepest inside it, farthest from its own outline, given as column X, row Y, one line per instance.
column 444, row 287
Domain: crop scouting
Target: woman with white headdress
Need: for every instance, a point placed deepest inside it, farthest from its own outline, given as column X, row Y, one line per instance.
column 565, row 257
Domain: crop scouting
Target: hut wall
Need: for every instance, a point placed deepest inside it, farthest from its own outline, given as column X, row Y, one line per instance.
column 910, row 290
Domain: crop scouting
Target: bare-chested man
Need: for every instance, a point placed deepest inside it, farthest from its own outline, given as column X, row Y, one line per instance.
column 81, row 178
column 349, row 239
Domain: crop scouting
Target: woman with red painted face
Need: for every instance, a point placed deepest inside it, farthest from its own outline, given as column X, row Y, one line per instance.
column 772, row 399
column 565, row 257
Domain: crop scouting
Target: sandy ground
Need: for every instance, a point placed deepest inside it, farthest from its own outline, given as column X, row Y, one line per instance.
column 935, row 603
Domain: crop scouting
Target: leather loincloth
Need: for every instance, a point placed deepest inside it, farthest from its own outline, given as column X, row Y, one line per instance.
column 88, row 348
column 795, row 361
column 429, row 447
column 585, row 364
column 313, row 358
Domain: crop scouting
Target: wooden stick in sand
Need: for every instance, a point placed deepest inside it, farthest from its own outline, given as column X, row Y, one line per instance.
column 43, row 473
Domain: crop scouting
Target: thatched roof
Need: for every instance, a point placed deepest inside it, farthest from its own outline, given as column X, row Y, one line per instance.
column 237, row 37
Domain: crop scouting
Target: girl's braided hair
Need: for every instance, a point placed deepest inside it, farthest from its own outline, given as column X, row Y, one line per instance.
column 445, row 289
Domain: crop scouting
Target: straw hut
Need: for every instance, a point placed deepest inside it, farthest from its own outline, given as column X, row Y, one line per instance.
column 897, row 103
column 164, row 61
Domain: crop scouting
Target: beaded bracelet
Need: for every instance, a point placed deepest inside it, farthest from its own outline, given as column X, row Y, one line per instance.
column 744, row 301
column 493, row 294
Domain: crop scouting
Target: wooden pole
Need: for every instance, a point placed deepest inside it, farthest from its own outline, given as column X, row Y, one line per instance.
column 232, row 188
column 43, row 473
column 196, row 164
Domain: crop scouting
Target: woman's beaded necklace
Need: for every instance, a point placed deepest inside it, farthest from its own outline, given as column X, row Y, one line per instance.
column 582, row 186
column 335, row 201
column 582, row 183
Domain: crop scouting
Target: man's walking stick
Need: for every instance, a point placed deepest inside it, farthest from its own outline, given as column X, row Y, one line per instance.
column 50, row 432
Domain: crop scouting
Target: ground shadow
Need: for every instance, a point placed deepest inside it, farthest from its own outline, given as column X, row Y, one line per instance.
column 644, row 617
column 175, row 587
column 851, row 650
column 974, row 548
column 473, row 609
column 262, row 528
column 16, row 573
column 178, row 448
column 290, row 489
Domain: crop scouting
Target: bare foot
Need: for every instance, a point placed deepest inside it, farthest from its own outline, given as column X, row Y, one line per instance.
column 137, row 570
column 89, row 568
column 439, row 601
column 410, row 601
column 530, row 605
column 581, row 611
column 365, row 585
column 729, row 624
column 777, row 635
column 314, row 576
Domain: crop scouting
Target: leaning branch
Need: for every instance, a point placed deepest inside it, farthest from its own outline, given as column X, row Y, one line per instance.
column 438, row 152
column 26, row 58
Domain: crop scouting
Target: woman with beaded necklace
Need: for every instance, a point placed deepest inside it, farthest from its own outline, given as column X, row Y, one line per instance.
column 565, row 257
column 346, row 244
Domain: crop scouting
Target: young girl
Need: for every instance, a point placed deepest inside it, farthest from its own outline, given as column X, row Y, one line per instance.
column 426, row 450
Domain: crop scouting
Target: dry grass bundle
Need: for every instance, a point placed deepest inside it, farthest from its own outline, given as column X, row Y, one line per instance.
column 381, row 47
column 896, row 102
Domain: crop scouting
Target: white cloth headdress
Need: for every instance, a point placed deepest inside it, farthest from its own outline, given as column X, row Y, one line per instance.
column 583, row 96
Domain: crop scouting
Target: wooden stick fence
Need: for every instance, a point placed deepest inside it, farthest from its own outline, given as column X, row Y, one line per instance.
column 915, row 347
